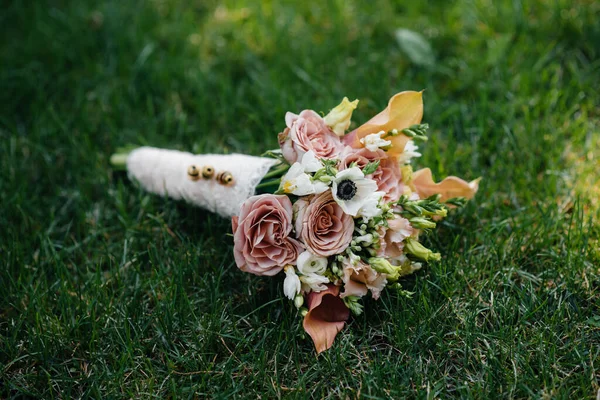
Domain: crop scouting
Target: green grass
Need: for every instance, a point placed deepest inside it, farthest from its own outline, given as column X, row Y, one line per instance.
column 110, row 292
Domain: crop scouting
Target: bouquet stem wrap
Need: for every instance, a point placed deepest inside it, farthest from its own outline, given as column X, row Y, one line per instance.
column 165, row 172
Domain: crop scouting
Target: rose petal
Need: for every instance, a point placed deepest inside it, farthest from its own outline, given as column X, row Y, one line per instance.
column 449, row 188
column 326, row 317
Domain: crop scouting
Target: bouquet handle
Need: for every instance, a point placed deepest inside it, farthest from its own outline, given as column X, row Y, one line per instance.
column 217, row 183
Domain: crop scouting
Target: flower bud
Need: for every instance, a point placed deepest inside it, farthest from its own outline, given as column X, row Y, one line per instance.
column 418, row 250
column 298, row 301
column 339, row 117
column 422, row 223
column 382, row 265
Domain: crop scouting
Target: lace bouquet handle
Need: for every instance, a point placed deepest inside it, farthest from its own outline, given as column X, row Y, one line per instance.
column 342, row 215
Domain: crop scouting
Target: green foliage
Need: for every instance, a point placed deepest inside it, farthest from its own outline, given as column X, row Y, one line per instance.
column 108, row 292
column 370, row 167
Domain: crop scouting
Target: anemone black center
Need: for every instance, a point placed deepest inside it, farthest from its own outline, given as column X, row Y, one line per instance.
column 346, row 190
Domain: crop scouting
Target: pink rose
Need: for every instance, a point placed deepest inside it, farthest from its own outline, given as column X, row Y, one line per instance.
column 326, row 229
column 387, row 175
column 262, row 245
column 361, row 277
column 308, row 131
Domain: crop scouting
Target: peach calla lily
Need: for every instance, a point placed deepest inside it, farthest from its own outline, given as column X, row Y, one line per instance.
column 326, row 316
column 450, row 187
column 403, row 110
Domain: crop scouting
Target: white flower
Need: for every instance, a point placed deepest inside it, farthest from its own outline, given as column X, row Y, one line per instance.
column 374, row 142
column 351, row 190
column 310, row 162
column 370, row 208
column 312, row 267
column 309, row 263
column 291, row 284
column 410, row 152
column 297, row 181
column 314, row 282
column 338, row 118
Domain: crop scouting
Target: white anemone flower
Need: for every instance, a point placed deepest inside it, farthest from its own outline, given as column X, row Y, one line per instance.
column 410, row 152
column 374, row 142
column 291, row 284
column 351, row 190
column 297, row 181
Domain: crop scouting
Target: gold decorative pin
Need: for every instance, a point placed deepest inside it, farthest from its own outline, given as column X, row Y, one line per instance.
column 208, row 172
column 193, row 172
column 225, row 178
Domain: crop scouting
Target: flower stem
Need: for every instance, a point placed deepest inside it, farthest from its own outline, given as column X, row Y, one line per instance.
column 276, row 172
column 118, row 161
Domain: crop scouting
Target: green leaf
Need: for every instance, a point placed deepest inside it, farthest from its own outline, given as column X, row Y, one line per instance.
column 370, row 167
column 416, row 47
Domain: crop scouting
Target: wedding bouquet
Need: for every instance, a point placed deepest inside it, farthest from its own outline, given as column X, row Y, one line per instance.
column 340, row 215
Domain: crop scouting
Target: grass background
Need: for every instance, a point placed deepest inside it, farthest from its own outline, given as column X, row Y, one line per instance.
column 109, row 292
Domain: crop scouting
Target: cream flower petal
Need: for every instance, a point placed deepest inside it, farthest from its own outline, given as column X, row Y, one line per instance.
column 450, row 187
column 403, row 110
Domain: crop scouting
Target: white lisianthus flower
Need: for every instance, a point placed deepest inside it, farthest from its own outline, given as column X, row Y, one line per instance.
column 351, row 190
column 291, row 284
column 314, row 282
column 339, row 117
column 374, row 142
column 297, row 181
column 370, row 208
column 312, row 267
column 309, row 263
column 410, row 152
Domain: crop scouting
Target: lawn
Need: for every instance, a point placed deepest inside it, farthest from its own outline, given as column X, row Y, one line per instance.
column 110, row 292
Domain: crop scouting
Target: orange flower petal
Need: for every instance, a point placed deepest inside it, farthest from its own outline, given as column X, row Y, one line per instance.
column 326, row 316
column 448, row 188
column 403, row 110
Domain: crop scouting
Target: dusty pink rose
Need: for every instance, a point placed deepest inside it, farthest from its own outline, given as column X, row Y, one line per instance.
column 387, row 175
column 306, row 132
column 327, row 315
column 361, row 277
column 262, row 245
column 392, row 245
column 326, row 229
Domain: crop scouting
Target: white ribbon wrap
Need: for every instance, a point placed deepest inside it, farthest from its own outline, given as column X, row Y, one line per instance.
column 164, row 172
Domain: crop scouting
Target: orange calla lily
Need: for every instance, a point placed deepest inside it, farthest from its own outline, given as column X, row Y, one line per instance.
column 403, row 110
column 422, row 180
column 326, row 316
